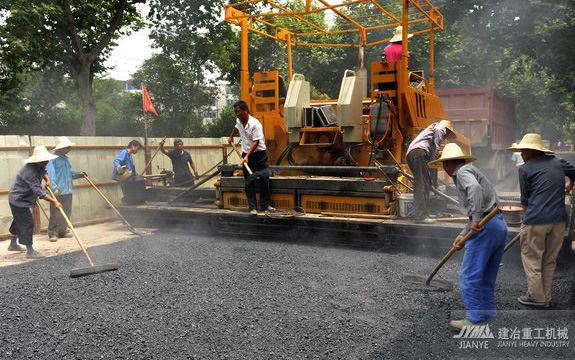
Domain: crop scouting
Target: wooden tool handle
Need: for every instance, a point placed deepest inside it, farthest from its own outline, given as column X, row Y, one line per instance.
column 513, row 241
column 72, row 229
column 130, row 227
column 240, row 155
column 453, row 250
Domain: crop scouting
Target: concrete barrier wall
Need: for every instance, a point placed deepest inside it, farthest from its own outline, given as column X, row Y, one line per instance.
column 95, row 156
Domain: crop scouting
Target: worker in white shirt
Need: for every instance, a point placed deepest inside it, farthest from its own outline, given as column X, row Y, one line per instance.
column 254, row 154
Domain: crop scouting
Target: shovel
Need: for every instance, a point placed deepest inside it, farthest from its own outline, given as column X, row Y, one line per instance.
column 92, row 269
column 444, row 284
column 252, row 176
column 130, row 227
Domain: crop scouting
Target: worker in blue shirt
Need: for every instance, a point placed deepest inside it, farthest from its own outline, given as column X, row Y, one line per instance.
column 124, row 168
column 61, row 175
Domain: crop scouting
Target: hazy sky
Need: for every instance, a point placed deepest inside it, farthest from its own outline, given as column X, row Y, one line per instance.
column 133, row 50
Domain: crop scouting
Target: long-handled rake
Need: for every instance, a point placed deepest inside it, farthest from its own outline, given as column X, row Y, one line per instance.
column 92, row 269
column 438, row 283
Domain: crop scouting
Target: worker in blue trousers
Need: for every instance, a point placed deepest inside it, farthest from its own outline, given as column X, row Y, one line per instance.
column 483, row 250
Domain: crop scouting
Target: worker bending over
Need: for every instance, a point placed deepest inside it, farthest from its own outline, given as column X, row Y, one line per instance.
column 542, row 184
column 254, row 154
column 423, row 149
column 182, row 163
column 484, row 249
column 124, row 168
column 61, row 175
column 25, row 191
column 394, row 50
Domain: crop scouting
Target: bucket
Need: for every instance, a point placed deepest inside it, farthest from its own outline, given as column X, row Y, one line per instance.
column 405, row 205
column 512, row 214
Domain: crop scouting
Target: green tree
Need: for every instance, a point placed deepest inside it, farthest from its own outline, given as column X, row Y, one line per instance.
column 68, row 36
column 177, row 95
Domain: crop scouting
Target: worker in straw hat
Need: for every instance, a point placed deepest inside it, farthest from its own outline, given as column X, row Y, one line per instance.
column 394, row 50
column 542, row 184
column 423, row 149
column 61, row 175
column 483, row 250
column 25, row 191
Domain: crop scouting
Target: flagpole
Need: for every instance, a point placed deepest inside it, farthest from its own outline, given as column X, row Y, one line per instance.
column 146, row 149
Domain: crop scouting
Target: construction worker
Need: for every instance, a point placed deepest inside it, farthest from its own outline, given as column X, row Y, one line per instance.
column 124, row 168
column 484, row 249
column 423, row 149
column 516, row 157
column 542, row 184
column 25, row 191
column 61, row 175
column 254, row 154
column 182, row 163
column 394, row 50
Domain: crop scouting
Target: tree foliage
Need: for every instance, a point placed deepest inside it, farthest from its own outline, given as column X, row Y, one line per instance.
column 72, row 37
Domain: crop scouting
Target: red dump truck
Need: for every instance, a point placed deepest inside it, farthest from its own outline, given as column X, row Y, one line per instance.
column 488, row 119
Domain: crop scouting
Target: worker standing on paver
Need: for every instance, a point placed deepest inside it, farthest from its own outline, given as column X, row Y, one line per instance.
column 25, row 191
column 124, row 168
column 423, row 149
column 254, row 154
column 483, row 250
column 394, row 50
column 61, row 175
column 182, row 163
column 542, row 184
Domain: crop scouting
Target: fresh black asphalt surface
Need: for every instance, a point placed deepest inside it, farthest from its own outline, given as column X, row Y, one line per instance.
column 178, row 296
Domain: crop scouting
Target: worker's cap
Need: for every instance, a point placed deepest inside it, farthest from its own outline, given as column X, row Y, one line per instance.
column 40, row 154
column 447, row 124
column 63, row 142
column 398, row 35
column 451, row 151
column 530, row 141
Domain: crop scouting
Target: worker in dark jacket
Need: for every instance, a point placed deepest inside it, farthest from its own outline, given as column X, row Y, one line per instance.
column 25, row 191
column 184, row 168
column 423, row 149
column 484, row 249
column 542, row 184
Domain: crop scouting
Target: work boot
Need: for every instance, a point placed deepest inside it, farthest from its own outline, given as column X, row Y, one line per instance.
column 527, row 301
column 34, row 255
column 67, row 234
column 16, row 247
column 425, row 221
column 53, row 237
column 459, row 324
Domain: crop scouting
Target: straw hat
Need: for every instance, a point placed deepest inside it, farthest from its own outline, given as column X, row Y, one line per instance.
column 63, row 142
column 530, row 141
column 40, row 154
column 397, row 35
column 451, row 151
column 447, row 124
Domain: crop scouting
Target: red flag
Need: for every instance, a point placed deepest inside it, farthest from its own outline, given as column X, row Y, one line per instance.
column 147, row 102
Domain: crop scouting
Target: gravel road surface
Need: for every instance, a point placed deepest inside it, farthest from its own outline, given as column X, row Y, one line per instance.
column 190, row 297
